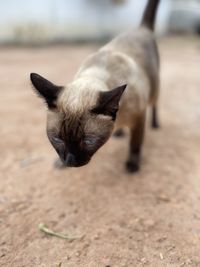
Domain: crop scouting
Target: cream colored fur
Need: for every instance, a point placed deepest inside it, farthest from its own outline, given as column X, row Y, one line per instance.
column 122, row 61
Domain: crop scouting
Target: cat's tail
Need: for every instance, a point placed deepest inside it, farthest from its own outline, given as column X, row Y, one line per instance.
column 149, row 16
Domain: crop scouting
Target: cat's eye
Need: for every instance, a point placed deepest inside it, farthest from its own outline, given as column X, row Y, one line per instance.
column 57, row 140
column 89, row 141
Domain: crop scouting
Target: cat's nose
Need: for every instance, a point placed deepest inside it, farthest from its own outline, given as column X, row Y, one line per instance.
column 70, row 160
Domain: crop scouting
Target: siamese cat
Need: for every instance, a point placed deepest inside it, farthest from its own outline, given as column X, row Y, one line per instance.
column 112, row 89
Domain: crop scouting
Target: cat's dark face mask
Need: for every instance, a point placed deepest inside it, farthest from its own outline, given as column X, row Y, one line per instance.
column 77, row 137
column 74, row 146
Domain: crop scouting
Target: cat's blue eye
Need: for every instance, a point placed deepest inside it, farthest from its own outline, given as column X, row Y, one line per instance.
column 89, row 141
column 57, row 140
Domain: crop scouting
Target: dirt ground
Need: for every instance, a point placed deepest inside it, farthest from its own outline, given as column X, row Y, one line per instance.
column 148, row 219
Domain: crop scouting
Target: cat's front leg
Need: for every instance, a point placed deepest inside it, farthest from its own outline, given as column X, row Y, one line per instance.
column 136, row 140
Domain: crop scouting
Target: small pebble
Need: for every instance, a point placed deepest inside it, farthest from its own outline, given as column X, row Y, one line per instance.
column 68, row 257
column 161, row 239
column 96, row 237
column 163, row 198
column 143, row 260
column 78, row 254
column 161, row 256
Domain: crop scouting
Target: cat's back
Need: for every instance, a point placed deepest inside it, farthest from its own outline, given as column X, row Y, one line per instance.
column 138, row 44
column 141, row 47
column 129, row 56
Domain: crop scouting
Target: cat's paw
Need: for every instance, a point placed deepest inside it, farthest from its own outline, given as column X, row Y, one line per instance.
column 119, row 133
column 133, row 165
column 155, row 125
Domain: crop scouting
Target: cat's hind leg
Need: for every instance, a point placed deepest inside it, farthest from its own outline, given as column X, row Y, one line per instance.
column 154, row 119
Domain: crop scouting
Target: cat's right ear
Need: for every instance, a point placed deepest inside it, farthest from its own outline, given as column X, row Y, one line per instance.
column 47, row 90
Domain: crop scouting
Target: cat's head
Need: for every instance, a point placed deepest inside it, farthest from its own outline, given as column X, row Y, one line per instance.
column 79, row 121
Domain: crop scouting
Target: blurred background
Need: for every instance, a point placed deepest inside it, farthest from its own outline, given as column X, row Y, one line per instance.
column 47, row 21
column 151, row 218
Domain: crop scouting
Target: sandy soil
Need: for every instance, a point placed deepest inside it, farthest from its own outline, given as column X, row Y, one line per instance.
column 148, row 219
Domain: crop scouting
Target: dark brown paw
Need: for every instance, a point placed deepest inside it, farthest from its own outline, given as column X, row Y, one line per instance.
column 132, row 166
column 133, row 163
column 155, row 125
column 119, row 133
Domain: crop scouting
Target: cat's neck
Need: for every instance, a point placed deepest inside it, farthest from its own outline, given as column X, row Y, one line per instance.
column 81, row 94
column 94, row 68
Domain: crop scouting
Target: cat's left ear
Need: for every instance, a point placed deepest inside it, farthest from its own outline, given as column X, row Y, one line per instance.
column 108, row 102
column 46, row 89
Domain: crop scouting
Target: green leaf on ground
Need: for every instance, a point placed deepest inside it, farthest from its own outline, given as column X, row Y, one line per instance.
column 43, row 228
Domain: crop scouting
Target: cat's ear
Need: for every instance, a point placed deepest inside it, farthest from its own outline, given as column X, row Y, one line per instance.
column 46, row 89
column 108, row 102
